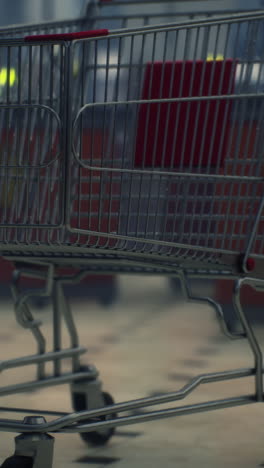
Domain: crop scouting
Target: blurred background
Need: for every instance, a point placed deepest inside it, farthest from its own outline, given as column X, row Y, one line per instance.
column 25, row 11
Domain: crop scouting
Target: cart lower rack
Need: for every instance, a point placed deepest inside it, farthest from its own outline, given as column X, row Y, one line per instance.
column 138, row 150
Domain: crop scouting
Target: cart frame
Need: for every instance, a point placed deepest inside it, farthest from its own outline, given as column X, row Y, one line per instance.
column 38, row 262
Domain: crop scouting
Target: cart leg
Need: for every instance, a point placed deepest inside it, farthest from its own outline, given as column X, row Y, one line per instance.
column 249, row 333
column 62, row 310
column 32, row 450
column 189, row 297
column 26, row 320
column 87, row 392
column 86, row 389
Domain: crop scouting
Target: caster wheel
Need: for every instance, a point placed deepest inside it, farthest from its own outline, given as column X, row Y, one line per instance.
column 18, row 461
column 95, row 438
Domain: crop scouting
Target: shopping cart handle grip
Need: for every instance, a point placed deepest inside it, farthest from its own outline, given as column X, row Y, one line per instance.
column 67, row 36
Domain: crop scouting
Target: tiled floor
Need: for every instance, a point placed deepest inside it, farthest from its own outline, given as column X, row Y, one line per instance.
column 149, row 343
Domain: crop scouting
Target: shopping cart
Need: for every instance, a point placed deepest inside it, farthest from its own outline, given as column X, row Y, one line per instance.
column 135, row 150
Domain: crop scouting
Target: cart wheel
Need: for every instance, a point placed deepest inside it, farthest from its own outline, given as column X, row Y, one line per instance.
column 94, row 438
column 18, row 461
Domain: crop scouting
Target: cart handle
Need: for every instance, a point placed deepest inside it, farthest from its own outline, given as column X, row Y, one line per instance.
column 67, row 36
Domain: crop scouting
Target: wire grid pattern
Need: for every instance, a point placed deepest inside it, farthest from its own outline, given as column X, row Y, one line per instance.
column 186, row 169
column 188, row 210
column 32, row 109
column 31, row 140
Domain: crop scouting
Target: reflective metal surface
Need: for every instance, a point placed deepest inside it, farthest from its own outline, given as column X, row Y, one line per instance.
column 140, row 151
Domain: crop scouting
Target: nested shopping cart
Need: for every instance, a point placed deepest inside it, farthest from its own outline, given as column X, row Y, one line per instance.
column 135, row 149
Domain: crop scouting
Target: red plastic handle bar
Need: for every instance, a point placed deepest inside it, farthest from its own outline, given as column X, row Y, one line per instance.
column 67, row 36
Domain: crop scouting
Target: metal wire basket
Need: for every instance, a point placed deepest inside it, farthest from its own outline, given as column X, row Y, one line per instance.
column 137, row 149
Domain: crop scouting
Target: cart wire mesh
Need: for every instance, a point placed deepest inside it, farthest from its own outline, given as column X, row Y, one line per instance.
column 148, row 140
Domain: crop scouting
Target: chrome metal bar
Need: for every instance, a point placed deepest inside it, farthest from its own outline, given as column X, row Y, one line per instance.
column 211, row 177
column 211, row 302
column 57, row 326
column 46, row 382
column 25, row 319
column 31, row 411
column 163, row 414
column 216, row 97
column 37, row 358
column 155, row 242
column 253, row 233
column 17, row 426
column 69, row 322
column 252, row 340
